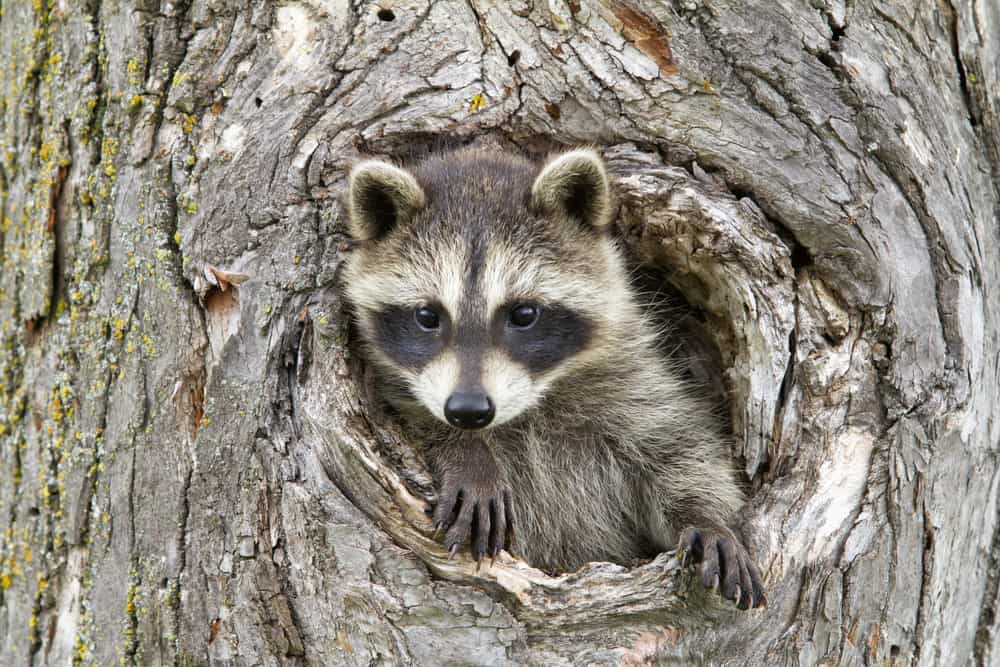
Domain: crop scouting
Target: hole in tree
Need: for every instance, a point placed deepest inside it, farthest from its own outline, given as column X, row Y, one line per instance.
column 258, row 102
column 386, row 14
column 800, row 257
column 836, row 30
column 690, row 340
column 786, row 381
column 684, row 333
column 514, row 56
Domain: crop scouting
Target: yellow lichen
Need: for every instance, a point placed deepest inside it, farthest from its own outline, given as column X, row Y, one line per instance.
column 80, row 651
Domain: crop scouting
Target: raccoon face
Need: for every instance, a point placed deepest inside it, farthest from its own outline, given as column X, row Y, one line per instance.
column 478, row 280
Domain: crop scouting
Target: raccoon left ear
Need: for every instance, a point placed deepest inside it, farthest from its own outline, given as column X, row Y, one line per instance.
column 575, row 185
column 381, row 195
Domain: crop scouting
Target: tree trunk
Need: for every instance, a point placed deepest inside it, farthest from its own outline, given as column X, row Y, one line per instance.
column 194, row 469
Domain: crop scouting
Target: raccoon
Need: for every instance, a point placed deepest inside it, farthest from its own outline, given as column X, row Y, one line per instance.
column 496, row 307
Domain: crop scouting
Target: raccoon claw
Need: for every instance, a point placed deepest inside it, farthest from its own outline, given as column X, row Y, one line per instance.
column 725, row 565
column 475, row 513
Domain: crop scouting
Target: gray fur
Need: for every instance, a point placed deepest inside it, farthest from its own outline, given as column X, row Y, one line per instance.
column 607, row 455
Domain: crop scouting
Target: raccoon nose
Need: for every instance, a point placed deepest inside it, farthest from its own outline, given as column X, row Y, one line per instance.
column 469, row 410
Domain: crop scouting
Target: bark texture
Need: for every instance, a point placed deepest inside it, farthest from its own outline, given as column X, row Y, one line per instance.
column 193, row 470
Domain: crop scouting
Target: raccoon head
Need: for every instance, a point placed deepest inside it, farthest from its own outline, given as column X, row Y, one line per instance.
column 478, row 280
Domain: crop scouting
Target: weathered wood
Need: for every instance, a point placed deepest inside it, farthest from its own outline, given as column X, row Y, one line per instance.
column 194, row 469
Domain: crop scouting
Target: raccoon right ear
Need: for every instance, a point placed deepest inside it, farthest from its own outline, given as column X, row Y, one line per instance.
column 381, row 196
column 575, row 185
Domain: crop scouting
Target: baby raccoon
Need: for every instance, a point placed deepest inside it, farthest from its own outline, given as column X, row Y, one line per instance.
column 497, row 310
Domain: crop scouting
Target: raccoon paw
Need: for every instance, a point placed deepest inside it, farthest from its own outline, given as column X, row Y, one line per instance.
column 480, row 510
column 725, row 565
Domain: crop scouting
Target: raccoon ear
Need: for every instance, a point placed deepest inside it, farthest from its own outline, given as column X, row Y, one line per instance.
column 381, row 196
column 575, row 185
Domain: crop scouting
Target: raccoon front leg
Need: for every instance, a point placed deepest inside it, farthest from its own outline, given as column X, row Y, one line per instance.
column 698, row 498
column 725, row 564
column 473, row 499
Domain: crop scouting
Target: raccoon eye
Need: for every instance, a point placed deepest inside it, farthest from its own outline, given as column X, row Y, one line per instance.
column 427, row 318
column 523, row 315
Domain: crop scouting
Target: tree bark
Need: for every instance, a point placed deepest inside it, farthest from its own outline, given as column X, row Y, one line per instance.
column 194, row 470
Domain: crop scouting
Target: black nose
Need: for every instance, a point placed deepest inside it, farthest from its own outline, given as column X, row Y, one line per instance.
column 469, row 410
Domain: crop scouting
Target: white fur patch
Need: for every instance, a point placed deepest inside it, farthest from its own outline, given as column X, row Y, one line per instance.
column 426, row 275
column 435, row 383
column 449, row 280
column 509, row 386
column 506, row 275
column 510, row 275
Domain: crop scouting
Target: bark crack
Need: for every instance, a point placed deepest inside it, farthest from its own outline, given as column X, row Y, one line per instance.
column 970, row 105
column 927, row 562
column 986, row 625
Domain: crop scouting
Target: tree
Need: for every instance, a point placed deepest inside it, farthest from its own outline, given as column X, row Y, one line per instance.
column 194, row 469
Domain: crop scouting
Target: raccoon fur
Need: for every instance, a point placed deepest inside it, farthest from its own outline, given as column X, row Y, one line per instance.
column 496, row 307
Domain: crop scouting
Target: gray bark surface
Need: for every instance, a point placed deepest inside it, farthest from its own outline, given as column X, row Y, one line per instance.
column 193, row 469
